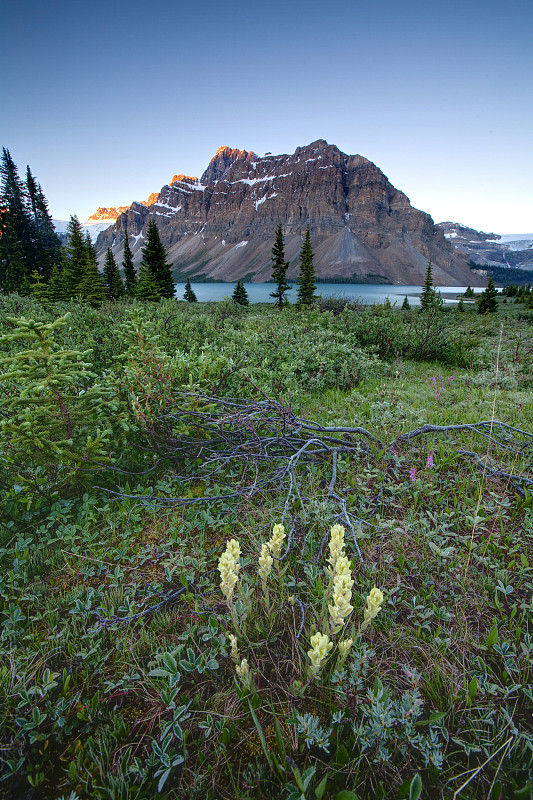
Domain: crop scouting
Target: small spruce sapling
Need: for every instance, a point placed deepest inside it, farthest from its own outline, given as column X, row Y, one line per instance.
column 189, row 294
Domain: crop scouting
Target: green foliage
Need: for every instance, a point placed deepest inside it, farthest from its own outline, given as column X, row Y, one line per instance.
column 306, row 279
column 487, row 303
column 279, row 269
column 53, row 416
column 429, row 297
column 28, row 242
column 130, row 276
column 154, row 259
column 406, row 305
column 240, row 295
column 147, row 287
column 189, row 294
column 116, row 673
column 113, row 285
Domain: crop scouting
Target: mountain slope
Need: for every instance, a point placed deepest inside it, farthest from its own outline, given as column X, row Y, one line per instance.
column 509, row 250
column 222, row 226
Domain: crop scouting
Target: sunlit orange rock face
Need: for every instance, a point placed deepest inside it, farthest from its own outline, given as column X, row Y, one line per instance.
column 222, row 226
column 103, row 214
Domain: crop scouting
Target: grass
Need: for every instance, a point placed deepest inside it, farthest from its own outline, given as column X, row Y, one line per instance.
column 437, row 693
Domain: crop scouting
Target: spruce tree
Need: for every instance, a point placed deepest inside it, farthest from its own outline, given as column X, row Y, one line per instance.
column 487, row 303
column 428, row 296
column 76, row 253
column 49, row 419
column 56, row 290
column 279, row 269
column 91, row 288
column 155, row 259
column 13, row 262
column 130, row 277
column 406, row 305
column 469, row 294
column 17, row 253
column 460, row 306
column 240, row 295
column 189, row 294
column 113, row 285
column 38, row 288
column 306, row 279
column 146, row 287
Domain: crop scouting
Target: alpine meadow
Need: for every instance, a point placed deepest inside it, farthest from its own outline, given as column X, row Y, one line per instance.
column 254, row 551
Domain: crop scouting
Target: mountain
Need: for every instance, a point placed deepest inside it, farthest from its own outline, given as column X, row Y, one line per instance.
column 91, row 226
column 508, row 250
column 222, row 225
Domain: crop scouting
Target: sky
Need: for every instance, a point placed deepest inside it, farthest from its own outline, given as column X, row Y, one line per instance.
column 107, row 101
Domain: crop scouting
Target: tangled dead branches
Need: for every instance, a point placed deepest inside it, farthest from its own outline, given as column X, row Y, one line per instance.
column 246, row 448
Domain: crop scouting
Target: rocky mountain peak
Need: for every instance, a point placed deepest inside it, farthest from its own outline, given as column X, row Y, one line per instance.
column 223, row 159
column 183, row 179
column 363, row 229
column 110, row 215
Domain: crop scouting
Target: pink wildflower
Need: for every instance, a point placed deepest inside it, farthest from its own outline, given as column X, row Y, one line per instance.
column 430, row 459
column 412, row 474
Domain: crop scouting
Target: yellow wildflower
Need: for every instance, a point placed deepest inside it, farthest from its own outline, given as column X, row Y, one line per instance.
column 265, row 563
column 234, row 649
column 374, row 601
column 336, row 546
column 344, row 648
column 242, row 669
column 320, row 647
column 276, row 540
column 228, row 567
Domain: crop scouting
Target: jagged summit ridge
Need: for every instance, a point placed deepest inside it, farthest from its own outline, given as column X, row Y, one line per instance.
column 223, row 225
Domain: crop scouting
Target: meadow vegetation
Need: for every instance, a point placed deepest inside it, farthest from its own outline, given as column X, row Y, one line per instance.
column 257, row 552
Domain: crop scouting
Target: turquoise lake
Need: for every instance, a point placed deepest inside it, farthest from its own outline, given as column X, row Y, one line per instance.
column 365, row 293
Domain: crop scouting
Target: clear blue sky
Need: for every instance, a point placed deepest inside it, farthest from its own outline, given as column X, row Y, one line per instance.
column 106, row 101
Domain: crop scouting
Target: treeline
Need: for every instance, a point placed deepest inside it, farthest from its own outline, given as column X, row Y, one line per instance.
column 505, row 275
column 34, row 262
column 29, row 245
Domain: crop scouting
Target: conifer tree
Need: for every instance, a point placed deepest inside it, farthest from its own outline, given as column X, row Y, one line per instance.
column 76, row 254
column 461, row 306
column 113, row 285
column 189, row 294
column 130, row 277
column 16, row 255
column 469, row 294
column 38, row 287
column 306, row 279
column 155, row 258
column 487, row 303
column 13, row 264
column 240, row 295
column 48, row 241
column 146, row 287
column 406, row 305
column 279, row 269
column 47, row 417
column 91, row 288
column 429, row 297
column 56, row 290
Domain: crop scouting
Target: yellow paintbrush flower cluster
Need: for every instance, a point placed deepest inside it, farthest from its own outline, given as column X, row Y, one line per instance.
column 320, row 648
column 269, row 552
column 374, row 601
column 340, row 570
column 229, row 567
column 276, row 540
column 265, row 564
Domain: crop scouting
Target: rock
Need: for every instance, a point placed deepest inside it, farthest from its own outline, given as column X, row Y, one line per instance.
column 223, row 225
